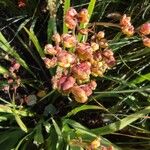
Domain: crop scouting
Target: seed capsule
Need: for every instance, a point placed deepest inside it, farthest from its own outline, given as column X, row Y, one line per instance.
column 145, row 29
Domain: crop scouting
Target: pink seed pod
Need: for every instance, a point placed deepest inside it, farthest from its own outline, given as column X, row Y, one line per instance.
column 86, row 89
column 70, row 18
column 145, row 28
column 79, row 94
column 68, row 83
column 49, row 49
column 84, row 51
column 108, row 57
column 50, row 63
column 82, row 71
column 63, row 83
column 71, row 12
column 68, row 40
column 107, row 53
column 65, row 59
column 70, row 22
column 16, row 66
column 21, row 3
column 83, row 16
column 146, row 41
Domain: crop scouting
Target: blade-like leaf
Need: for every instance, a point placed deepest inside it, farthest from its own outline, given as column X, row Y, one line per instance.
column 38, row 137
column 20, row 123
column 116, row 126
column 4, row 45
column 141, row 79
column 35, row 41
column 82, row 108
column 66, row 6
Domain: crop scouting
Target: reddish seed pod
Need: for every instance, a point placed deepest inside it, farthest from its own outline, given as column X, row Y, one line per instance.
column 146, row 41
column 145, row 28
column 21, row 3
column 68, row 83
column 71, row 12
column 70, row 18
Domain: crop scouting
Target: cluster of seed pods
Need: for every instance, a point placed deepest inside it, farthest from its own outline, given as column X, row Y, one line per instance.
column 78, row 62
column 13, row 81
column 128, row 29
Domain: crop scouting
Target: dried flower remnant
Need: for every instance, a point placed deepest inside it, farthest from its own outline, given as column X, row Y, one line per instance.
column 98, row 68
column 145, row 29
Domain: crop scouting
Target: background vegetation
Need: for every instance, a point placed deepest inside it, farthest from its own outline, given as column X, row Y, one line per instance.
column 118, row 111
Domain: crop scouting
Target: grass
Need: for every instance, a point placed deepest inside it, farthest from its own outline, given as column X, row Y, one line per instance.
column 56, row 122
